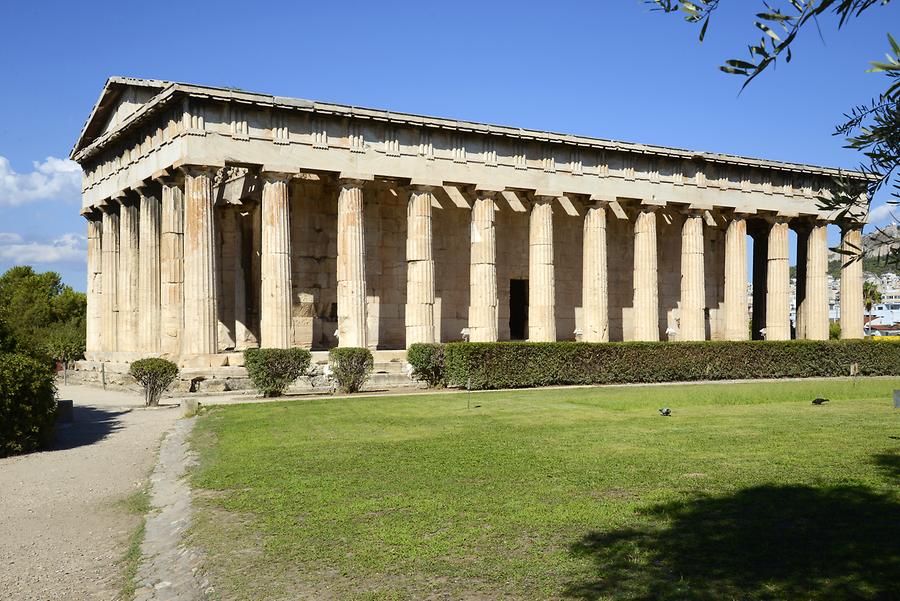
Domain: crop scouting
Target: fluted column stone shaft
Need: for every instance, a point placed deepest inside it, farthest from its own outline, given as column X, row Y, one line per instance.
column 801, row 277
column 171, row 268
column 736, row 327
column 778, row 280
column 241, row 328
column 852, row 314
column 816, row 305
column 483, row 313
column 129, row 272
column 94, row 324
column 693, row 290
column 200, row 295
column 419, row 313
column 541, row 273
column 149, row 274
column 110, row 249
column 595, row 277
column 646, row 280
column 351, row 266
column 275, row 316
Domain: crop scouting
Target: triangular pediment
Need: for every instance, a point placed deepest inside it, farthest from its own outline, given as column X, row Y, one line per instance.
column 120, row 98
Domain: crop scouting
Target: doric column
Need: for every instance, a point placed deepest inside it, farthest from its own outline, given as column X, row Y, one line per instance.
column 109, row 338
column 802, row 231
column 275, row 309
column 736, row 327
column 541, row 276
column 351, row 265
column 594, row 286
column 171, row 267
column 778, row 283
column 241, row 327
column 760, row 236
column 419, row 268
column 646, row 282
column 200, row 301
column 94, row 324
column 483, row 270
column 148, row 276
column 693, row 291
column 815, row 312
column 851, row 282
column 129, row 270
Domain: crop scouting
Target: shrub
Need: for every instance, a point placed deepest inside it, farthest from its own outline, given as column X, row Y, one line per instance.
column 350, row 367
column 27, row 404
column 155, row 375
column 273, row 369
column 834, row 330
column 527, row 364
column 427, row 361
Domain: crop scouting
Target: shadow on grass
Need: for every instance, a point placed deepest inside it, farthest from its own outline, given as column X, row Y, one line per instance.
column 89, row 425
column 769, row 542
column 889, row 463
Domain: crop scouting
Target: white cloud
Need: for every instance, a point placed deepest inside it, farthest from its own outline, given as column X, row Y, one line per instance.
column 52, row 179
column 883, row 214
column 68, row 248
column 9, row 238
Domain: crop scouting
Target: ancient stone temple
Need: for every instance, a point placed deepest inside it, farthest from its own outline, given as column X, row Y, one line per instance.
column 220, row 219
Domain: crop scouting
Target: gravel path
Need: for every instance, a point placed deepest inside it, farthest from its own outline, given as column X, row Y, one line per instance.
column 62, row 529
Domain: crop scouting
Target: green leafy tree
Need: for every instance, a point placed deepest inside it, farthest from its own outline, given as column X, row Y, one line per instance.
column 871, row 295
column 44, row 317
column 873, row 128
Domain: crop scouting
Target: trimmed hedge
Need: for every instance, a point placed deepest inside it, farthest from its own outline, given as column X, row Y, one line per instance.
column 350, row 367
column 529, row 364
column 273, row 369
column 27, row 404
column 427, row 361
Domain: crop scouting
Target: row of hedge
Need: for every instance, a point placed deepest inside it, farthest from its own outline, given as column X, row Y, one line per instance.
column 27, row 404
column 528, row 364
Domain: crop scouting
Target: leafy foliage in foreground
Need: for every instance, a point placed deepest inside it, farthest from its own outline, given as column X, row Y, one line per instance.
column 44, row 317
column 491, row 365
column 272, row 370
column 350, row 367
column 155, row 375
column 27, row 404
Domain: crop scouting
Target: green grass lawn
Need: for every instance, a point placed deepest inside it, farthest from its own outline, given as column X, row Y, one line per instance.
column 747, row 491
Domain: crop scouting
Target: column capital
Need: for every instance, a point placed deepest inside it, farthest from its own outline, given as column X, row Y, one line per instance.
column 598, row 201
column 488, row 190
column 168, row 176
column 772, row 218
column 421, row 188
column 849, row 225
column 648, row 208
column 275, row 176
column 143, row 190
column 692, row 212
column 108, row 206
column 92, row 214
column 349, row 178
column 198, row 170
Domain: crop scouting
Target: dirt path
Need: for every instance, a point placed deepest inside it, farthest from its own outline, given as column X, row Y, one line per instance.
column 62, row 527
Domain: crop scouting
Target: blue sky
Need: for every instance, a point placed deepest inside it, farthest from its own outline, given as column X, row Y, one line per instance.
column 610, row 69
